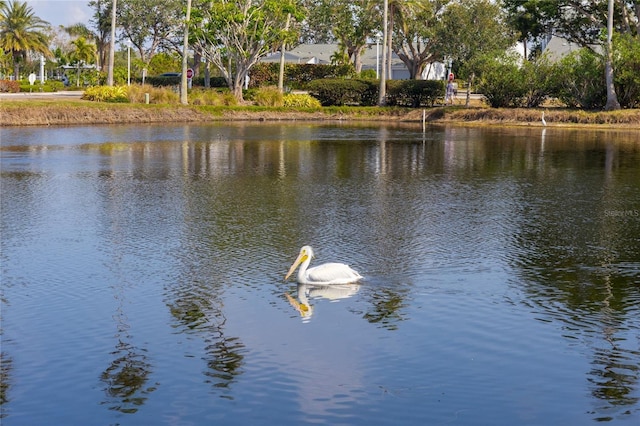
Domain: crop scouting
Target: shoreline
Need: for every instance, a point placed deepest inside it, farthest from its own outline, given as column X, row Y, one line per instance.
column 36, row 109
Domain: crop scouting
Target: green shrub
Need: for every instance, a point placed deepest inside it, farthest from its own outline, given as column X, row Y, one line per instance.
column 368, row 74
column 48, row 86
column 106, row 94
column 414, row 93
column 158, row 81
column 213, row 82
column 296, row 75
column 537, row 77
column 501, row 82
column 626, row 62
column 338, row 92
column 579, row 80
column 299, row 100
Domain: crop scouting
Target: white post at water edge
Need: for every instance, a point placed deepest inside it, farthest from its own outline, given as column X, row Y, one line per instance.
column 41, row 69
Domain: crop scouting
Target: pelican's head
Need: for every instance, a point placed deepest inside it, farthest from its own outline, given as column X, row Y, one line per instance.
column 306, row 253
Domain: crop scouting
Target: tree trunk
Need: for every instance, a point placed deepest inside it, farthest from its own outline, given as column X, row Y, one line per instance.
column 612, row 98
column 470, row 83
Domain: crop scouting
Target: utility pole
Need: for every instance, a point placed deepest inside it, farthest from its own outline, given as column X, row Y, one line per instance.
column 185, row 46
column 112, row 44
column 382, row 92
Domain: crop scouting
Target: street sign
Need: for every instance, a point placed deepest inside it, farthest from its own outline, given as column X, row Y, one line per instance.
column 189, row 73
column 32, row 78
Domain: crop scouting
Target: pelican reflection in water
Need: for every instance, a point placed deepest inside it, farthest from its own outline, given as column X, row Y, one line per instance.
column 332, row 293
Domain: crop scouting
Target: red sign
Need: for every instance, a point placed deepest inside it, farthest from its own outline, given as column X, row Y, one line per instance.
column 189, row 73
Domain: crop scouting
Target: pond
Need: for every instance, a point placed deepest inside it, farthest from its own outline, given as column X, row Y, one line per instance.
column 142, row 275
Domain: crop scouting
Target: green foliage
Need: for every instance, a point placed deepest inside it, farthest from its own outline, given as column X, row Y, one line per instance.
column 579, row 80
column 9, row 86
column 247, row 31
column 338, row 92
column 368, row 74
column 537, row 79
column 106, row 94
column 21, row 31
column 300, row 100
column 48, row 86
column 626, row 63
column 414, row 93
column 296, row 75
column 213, row 82
column 164, row 62
column 268, row 96
column 502, row 82
column 158, row 81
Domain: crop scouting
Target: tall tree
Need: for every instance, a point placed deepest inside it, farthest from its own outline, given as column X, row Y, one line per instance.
column 83, row 54
column 416, row 25
column 585, row 22
column 350, row 23
column 470, row 30
column 151, row 25
column 21, row 31
column 100, row 30
column 235, row 34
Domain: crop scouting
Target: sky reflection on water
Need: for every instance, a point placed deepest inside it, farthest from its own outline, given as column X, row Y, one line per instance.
column 142, row 275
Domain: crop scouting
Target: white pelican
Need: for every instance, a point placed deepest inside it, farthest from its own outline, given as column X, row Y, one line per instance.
column 325, row 274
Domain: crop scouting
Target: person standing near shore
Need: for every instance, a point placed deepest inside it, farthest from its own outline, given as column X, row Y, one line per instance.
column 450, row 92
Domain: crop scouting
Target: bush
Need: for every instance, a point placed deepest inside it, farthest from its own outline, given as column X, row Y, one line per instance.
column 106, row 94
column 211, row 97
column 157, row 95
column 414, row 93
column 9, row 86
column 48, row 86
column 213, row 82
column 626, row 63
column 338, row 92
column 296, row 75
column 158, row 81
column 579, row 80
column 537, row 77
column 502, row 82
column 294, row 100
column 268, row 96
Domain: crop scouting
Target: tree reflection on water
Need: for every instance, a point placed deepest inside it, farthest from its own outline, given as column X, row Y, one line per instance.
column 127, row 375
column 126, row 378
column 582, row 270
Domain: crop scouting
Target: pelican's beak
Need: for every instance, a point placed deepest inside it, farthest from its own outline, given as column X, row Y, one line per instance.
column 301, row 258
column 300, row 307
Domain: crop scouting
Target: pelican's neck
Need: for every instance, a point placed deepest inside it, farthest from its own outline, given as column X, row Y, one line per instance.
column 302, row 271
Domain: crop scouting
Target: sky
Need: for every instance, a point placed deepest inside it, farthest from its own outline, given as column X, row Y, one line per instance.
column 62, row 12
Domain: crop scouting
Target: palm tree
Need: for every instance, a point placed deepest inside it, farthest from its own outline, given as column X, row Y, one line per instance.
column 21, row 32
column 83, row 53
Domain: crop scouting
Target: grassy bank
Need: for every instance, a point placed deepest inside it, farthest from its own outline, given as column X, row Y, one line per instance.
column 38, row 112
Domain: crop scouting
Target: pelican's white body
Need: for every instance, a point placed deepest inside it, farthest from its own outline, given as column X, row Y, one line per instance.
column 325, row 274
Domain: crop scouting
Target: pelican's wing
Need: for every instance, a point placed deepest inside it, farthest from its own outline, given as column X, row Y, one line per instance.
column 332, row 273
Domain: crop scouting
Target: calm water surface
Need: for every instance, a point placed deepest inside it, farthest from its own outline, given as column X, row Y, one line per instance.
column 142, row 275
